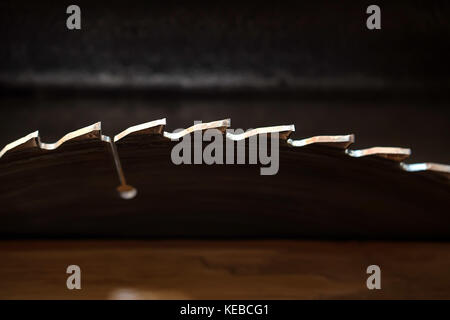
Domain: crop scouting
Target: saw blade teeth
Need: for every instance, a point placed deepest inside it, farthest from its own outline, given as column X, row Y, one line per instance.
column 152, row 127
column 29, row 141
column 156, row 127
column 33, row 139
column 221, row 125
column 284, row 132
column 90, row 132
column 339, row 141
column 431, row 167
column 390, row 153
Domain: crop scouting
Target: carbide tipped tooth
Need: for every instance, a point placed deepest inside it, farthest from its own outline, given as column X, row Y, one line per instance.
column 341, row 141
column 33, row 140
column 29, row 141
column 390, row 153
column 430, row 167
column 152, row 127
column 90, row 132
column 221, row 125
column 284, row 132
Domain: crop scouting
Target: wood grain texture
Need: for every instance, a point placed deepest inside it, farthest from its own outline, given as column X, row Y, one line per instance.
column 177, row 269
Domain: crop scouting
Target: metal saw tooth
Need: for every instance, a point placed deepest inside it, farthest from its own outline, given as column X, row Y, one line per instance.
column 283, row 130
column 33, row 139
column 156, row 127
column 431, row 167
column 29, row 141
column 90, row 132
column 390, row 153
column 219, row 124
column 341, row 141
column 152, row 127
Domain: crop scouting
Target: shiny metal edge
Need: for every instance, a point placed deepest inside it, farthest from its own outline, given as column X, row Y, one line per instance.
column 21, row 142
column 391, row 153
column 284, row 130
column 430, row 167
column 91, row 131
column 219, row 124
column 338, row 141
column 140, row 127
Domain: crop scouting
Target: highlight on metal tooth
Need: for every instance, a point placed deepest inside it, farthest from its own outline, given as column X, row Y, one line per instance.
column 284, row 130
column 220, row 125
column 126, row 191
column 29, row 141
column 341, row 142
column 438, row 168
column 83, row 132
column 33, row 140
column 93, row 131
column 391, row 153
column 141, row 128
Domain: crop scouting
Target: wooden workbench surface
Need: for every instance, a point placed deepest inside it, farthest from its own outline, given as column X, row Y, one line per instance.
column 256, row 269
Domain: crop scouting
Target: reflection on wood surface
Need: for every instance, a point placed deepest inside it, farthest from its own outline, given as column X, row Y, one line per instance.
column 257, row 269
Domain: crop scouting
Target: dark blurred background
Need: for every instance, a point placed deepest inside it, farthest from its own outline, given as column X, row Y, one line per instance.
column 312, row 63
